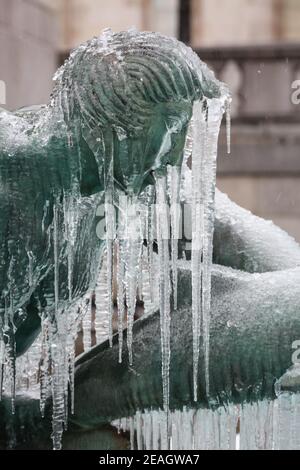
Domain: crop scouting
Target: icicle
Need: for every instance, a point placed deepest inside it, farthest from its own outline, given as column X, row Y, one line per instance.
column 164, row 277
column 228, row 124
column 56, row 257
column 70, row 231
column 87, row 323
column 70, row 271
column 207, row 432
column 121, row 266
column 164, row 430
column 287, row 410
column 28, row 366
column 118, row 425
column 174, row 192
column 101, row 300
column 191, row 429
column 139, row 430
column 110, row 234
column 148, row 432
column 58, row 400
column 228, row 419
column 150, row 288
column 187, row 429
column 121, row 296
column 176, row 430
column 131, row 432
column 296, row 422
column 207, row 121
column 11, row 364
column 155, row 426
column 57, row 350
column 285, row 416
column 256, row 426
column 44, row 365
column 185, row 179
column 286, row 422
column 10, row 347
column 264, row 425
column 133, row 255
column 124, row 425
column 197, row 232
column 71, row 370
column 2, row 362
column 30, row 267
column 57, row 383
column 150, row 243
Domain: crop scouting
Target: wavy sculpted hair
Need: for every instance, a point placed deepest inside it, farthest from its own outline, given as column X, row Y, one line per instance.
column 115, row 80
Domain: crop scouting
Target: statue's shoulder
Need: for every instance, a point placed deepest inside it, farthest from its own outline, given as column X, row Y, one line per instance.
column 14, row 127
column 28, row 111
column 8, row 124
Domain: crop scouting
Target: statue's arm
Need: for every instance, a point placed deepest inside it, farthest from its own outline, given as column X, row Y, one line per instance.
column 249, row 243
column 254, row 322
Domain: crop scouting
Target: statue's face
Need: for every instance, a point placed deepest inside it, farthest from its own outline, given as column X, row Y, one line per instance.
column 167, row 134
column 160, row 143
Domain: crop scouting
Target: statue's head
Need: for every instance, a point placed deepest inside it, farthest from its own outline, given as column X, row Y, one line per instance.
column 132, row 94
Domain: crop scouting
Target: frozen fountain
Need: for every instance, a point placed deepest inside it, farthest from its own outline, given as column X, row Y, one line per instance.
column 93, row 188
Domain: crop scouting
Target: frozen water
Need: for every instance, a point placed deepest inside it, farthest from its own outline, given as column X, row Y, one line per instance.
column 175, row 213
column 206, row 126
column 164, row 282
column 124, row 142
column 228, row 124
column 188, row 430
column 265, row 425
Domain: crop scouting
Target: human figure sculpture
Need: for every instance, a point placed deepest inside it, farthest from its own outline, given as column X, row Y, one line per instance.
column 120, row 112
column 115, row 99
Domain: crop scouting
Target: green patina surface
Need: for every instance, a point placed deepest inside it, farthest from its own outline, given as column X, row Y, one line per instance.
column 121, row 108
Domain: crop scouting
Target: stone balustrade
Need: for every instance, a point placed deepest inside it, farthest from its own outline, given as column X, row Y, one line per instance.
column 261, row 80
column 263, row 171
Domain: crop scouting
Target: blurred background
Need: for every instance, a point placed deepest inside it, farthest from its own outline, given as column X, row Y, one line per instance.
column 253, row 45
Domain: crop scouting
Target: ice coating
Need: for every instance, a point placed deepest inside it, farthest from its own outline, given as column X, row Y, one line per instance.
column 255, row 320
column 117, row 119
column 58, row 165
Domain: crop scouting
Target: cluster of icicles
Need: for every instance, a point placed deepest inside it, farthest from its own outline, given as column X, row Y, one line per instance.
column 265, row 425
column 132, row 263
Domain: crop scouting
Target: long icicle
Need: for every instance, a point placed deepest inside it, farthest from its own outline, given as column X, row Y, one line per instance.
column 228, row 124
column 57, row 360
column 121, row 268
column 199, row 136
column 121, row 295
column 110, row 235
column 174, row 193
column 207, row 121
column 134, row 250
column 101, row 301
column 110, row 231
column 164, row 290
column 44, row 364
column 214, row 117
column 87, row 323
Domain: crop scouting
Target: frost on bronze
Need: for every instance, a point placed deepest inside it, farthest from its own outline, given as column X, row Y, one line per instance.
column 92, row 186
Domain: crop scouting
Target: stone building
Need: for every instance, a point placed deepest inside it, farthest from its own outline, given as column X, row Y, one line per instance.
column 252, row 44
column 28, row 51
